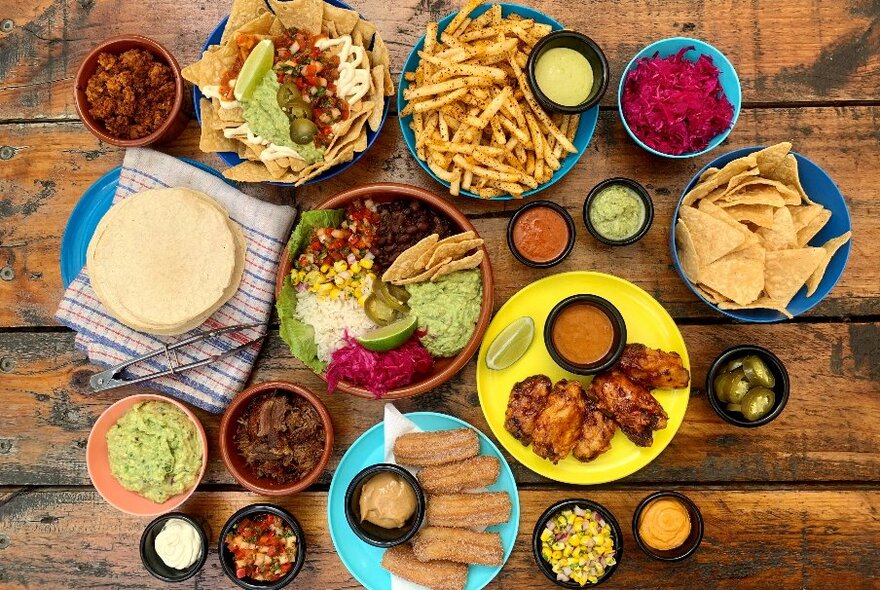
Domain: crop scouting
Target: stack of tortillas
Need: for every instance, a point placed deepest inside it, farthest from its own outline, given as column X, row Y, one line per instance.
column 163, row 260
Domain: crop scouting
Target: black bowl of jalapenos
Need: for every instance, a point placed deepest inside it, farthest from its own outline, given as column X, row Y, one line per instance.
column 747, row 386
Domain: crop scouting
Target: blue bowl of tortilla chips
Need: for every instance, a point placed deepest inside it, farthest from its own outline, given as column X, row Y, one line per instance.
column 799, row 268
column 252, row 9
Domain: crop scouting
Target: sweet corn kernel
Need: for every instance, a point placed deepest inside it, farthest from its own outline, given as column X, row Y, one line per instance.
column 340, row 266
column 334, row 293
column 324, row 268
column 367, row 263
column 355, row 268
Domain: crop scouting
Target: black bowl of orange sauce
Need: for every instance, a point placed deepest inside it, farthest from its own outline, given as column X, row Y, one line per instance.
column 585, row 334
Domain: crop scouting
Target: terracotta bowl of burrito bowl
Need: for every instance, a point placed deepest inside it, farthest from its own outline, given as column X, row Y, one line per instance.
column 98, row 462
column 444, row 368
column 235, row 462
column 177, row 119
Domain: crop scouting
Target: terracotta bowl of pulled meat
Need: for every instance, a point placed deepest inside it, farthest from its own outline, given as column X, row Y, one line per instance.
column 276, row 438
column 129, row 93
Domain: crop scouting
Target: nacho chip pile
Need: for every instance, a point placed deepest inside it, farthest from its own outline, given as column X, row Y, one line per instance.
column 431, row 258
column 743, row 233
column 312, row 16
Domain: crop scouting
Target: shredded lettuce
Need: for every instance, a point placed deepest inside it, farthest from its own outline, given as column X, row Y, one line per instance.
column 299, row 337
column 308, row 222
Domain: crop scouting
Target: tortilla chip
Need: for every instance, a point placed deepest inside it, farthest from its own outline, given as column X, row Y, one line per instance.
column 808, row 232
column 242, row 11
column 753, row 195
column 740, row 178
column 762, row 303
column 771, row 157
column 366, row 30
column 378, row 75
column 711, row 294
column 453, row 251
column 248, row 171
column 787, row 174
column 216, row 60
column 723, row 176
column 831, row 247
column 803, row 215
column 425, row 259
column 466, row 263
column 306, row 15
column 786, row 271
column 712, row 238
column 687, row 253
column 739, row 276
column 212, row 138
column 722, row 215
column 345, row 20
column 781, row 235
column 789, row 195
column 707, row 173
column 419, row 278
column 760, row 215
column 405, row 265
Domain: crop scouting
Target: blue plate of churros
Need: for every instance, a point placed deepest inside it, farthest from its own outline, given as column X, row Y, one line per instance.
column 454, row 531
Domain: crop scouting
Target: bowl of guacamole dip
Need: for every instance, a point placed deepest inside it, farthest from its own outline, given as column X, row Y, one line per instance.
column 146, row 454
column 618, row 211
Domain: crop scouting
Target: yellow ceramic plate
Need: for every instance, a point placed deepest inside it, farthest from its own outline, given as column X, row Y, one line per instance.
column 646, row 322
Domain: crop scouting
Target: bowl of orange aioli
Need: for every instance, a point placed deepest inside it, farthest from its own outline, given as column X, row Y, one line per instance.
column 541, row 234
column 668, row 526
column 585, row 334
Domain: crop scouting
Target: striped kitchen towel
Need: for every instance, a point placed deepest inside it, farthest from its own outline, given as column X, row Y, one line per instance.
column 107, row 342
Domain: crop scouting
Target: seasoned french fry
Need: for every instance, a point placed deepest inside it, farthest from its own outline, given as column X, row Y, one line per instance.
column 465, row 12
column 466, row 180
column 508, row 187
column 448, row 86
column 483, row 171
column 443, row 127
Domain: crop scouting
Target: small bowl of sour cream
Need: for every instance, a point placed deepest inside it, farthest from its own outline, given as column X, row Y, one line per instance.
column 174, row 547
column 567, row 72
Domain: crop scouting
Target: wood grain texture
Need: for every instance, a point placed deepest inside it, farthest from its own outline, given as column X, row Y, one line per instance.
column 828, row 431
column 784, row 51
column 790, row 539
column 55, row 164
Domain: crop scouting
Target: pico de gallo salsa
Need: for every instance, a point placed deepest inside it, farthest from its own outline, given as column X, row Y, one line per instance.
column 264, row 547
column 308, row 75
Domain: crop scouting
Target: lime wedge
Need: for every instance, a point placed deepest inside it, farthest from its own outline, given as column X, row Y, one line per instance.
column 255, row 66
column 513, row 342
column 391, row 336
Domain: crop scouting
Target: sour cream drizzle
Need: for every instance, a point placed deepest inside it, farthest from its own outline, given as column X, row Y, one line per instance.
column 353, row 83
column 272, row 151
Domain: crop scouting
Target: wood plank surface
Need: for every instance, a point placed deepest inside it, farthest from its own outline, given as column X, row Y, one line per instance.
column 54, row 165
column 786, row 51
column 828, row 431
column 790, row 538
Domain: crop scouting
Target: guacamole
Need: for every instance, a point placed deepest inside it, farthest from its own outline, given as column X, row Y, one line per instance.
column 617, row 212
column 266, row 119
column 155, row 451
column 447, row 309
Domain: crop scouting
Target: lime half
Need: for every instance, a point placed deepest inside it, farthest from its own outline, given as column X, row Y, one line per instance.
column 255, row 66
column 391, row 336
column 513, row 342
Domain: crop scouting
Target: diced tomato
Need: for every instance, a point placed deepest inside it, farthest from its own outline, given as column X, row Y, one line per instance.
column 240, row 573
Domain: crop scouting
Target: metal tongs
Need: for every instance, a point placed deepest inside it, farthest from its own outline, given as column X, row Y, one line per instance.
column 111, row 379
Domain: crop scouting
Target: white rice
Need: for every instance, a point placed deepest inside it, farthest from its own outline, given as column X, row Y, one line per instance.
column 331, row 318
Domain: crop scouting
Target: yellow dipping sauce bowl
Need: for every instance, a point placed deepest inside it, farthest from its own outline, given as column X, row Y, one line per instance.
column 567, row 72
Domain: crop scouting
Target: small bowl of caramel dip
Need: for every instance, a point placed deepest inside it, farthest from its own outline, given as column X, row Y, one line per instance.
column 585, row 334
column 668, row 526
column 384, row 505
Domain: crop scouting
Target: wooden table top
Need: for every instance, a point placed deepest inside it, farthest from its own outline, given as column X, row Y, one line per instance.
column 795, row 504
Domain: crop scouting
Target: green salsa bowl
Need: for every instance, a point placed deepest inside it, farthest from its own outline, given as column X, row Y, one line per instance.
column 621, row 225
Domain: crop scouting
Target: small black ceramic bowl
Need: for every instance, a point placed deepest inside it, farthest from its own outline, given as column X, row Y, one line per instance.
column 781, row 389
column 616, row 535
column 643, row 195
column 227, row 559
column 569, row 223
column 154, row 564
column 690, row 545
column 586, row 47
column 374, row 534
column 618, row 342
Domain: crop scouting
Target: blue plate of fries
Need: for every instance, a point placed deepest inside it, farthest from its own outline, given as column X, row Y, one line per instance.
column 452, row 157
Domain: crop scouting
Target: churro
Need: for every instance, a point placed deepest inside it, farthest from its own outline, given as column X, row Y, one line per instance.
column 462, row 475
column 437, row 575
column 422, row 449
column 468, row 510
column 459, row 545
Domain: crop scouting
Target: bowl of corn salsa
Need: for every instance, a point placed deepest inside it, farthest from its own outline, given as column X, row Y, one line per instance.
column 577, row 543
column 262, row 547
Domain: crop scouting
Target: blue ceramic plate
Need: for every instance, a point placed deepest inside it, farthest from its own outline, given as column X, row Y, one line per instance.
column 362, row 559
column 822, row 190
column 581, row 139
column 85, row 217
column 232, row 159
column 728, row 78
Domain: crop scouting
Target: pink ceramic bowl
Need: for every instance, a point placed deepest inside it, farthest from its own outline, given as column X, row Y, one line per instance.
column 99, row 465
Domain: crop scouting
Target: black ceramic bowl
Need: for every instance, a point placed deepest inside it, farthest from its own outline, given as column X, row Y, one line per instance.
column 154, row 564
column 617, row 345
column 227, row 559
column 781, row 389
column 643, row 195
column 586, row 47
column 374, row 534
column 616, row 535
column 569, row 222
column 690, row 545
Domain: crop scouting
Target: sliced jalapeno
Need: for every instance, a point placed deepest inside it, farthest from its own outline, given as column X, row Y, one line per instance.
column 757, row 371
column 757, row 403
column 738, row 386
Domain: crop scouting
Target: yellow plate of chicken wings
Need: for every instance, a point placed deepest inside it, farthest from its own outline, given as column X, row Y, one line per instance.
column 646, row 323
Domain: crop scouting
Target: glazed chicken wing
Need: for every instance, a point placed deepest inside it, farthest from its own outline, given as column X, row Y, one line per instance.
column 630, row 404
column 527, row 399
column 655, row 369
column 596, row 434
column 558, row 426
